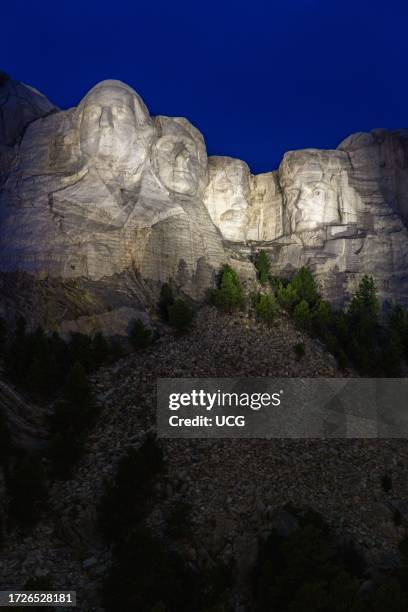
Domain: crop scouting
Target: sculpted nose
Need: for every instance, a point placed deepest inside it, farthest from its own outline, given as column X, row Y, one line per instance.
column 181, row 158
column 106, row 117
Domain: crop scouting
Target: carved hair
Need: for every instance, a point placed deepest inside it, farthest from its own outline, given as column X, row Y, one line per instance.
column 140, row 109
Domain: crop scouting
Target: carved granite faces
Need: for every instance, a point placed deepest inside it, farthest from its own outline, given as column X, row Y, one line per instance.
column 243, row 206
column 115, row 132
column 339, row 221
column 316, row 190
column 227, row 196
column 179, row 156
column 103, row 189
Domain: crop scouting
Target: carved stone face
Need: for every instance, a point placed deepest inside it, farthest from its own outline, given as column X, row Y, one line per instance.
column 227, row 196
column 115, row 128
column 312, row 203
column 179, row 157
column 316, row 191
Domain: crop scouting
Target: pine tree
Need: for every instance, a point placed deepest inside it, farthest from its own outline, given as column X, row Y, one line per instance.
column 263, row 266
column 140, row 335
column 305, row 286
column 180, row 315
column 230, row 295
column 26, row 486
column 99, row 349
column 267, row 308
column 78, row 388
column 165, row 301
column 301, row 314
column 364, row 306
column 363, row 326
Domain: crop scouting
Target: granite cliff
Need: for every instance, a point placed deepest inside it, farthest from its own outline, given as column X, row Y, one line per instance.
column 102, row 203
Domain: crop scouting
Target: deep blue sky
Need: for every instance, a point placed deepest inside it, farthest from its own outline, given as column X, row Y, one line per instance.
column 257, row 77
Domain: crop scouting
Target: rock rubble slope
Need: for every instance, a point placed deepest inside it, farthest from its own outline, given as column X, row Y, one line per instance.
column 235, row 486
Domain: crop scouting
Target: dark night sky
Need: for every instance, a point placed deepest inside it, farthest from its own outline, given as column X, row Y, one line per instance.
column 257, row 77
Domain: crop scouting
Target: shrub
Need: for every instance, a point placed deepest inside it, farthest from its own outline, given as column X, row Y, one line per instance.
column 140, row 335
column 306, row 571
column 165, row 301
column 16, row 359
column 116, row 349
column 322, row 318
column 305, row 286
column 263, row 267
column 287, row 296
column 80, row 351
column 26, row 486
column 126, row 501
column 391, row 353
column 389, row 595
column 398, row 326
column 180, row 315
column 299, row 350
column 361, row 343
column 147, row 575
column 230, row 294
column 78, row 389
column 100, row 350
column 70, row 421
column 267, row 308
column 364, row 306
column 301, row 314
column 64, row 451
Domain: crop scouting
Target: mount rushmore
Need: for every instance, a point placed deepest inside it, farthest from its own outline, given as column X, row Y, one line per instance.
column 105, row 198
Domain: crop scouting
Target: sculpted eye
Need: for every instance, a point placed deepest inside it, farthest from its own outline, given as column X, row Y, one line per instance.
column 92, row 111
column 317, row 192
column 120, row 111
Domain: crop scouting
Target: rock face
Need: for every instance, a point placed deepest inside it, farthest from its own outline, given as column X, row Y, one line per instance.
column 19, row 106
column 108, row 195
column 243, row 206
column 103, row 187
column 343, row 218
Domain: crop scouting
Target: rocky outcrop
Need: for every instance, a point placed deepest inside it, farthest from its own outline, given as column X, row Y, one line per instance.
column 27, row 422
column 20, row 105
column 339, row 220
column 104, row 191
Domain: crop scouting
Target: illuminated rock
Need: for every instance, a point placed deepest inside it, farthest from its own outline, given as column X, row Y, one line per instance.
column 343, row 217
column 122, row 202
column 243, row 206
column 104, row 188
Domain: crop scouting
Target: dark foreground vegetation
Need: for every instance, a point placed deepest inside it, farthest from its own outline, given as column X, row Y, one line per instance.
column 370, row 337
column 305, row 570
column 148, row 573
column 55, row 372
